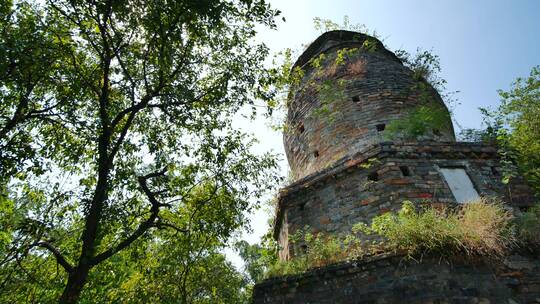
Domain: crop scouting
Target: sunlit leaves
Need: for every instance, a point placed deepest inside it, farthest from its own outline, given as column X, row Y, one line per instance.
column 98, row 95
column 418, row 122
column 515, row 127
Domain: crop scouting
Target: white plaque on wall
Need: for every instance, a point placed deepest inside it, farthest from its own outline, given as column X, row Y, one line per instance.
column 460, row 184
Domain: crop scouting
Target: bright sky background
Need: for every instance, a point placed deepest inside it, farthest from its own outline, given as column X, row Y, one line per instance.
column 483, row 46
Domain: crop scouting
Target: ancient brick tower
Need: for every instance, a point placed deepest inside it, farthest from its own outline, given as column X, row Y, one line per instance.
column 346, row 171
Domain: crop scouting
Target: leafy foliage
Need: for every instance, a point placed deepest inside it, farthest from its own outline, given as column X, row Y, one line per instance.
column 520, row 110
column 418, row 122
column 429, row 116
column 116, row 132
column 169, row 267
column 425, row 66
column 258, row 258
column 31, row 61
column 528, row 226
column 319, row 250
column 514, row 127
column 325, row 25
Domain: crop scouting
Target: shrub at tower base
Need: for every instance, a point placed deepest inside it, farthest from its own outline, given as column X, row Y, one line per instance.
column 479, row 229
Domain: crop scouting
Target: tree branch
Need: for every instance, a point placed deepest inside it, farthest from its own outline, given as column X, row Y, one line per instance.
column 164, row 225
column 57, row 254
column 19, row 114
column 151, row 221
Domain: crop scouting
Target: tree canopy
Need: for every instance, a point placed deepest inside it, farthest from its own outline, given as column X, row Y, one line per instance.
column 117, row 145
column 515, row 127
column 520, row 111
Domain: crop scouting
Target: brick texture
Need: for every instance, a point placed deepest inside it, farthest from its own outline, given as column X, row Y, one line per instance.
column 390, row 279
column 382, row 92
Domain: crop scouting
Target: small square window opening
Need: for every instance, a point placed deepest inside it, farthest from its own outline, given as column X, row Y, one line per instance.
column 405, row 170
column 373, row 176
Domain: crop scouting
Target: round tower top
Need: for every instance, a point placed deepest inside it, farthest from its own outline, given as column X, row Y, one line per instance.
column 351, row 89
column 336, row 40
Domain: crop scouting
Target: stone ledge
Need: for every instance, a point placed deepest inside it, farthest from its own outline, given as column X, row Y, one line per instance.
column 392, row 279
column 337, row 268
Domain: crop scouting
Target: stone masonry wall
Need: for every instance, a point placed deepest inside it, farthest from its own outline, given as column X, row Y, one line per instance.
column 391, row 279
column 379, row 180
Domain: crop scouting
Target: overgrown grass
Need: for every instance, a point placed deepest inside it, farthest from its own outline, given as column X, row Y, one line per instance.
column 482, row 228
column 479, row 227
column 320, row 250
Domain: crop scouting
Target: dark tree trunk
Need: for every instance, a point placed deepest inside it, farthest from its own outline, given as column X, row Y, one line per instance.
column 74, row 286
column 77, row 278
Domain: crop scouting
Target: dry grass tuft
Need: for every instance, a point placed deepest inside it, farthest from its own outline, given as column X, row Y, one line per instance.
column 485, row 227
column 481, row 227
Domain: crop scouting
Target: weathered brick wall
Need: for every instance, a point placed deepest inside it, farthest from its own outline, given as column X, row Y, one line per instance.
column 375, row 181
column 369, row 90
column 394, row 280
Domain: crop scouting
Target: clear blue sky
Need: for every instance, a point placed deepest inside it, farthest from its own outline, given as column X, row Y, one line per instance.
column 483, row 47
